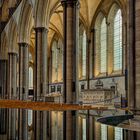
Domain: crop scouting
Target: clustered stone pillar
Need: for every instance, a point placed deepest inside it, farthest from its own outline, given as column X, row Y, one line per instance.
column 40, row 85
column 12, row 71
column 133, row 54
column 89, row 126
column 3, row 74
column 3, row 93
column 23, row 70
column 137, row 51
column 23, row 88
column 71, row 34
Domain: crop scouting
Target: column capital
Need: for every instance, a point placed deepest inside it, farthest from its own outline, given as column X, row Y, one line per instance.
column 3, row 60
column 23, row 44
column 40, row 29
column 70, row 3
column 12, row 53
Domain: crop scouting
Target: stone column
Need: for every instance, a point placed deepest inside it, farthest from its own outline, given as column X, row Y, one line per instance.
column 23, row 88
column 97, row 130
column 3, row 95
column 12, row 69
column 23, row 70
column 41, row 62
column 137, row 52
column 131, row 135
column 89, row 126
column 133, row 54
column 41, row 80
column 3, row 81
column 71, row 34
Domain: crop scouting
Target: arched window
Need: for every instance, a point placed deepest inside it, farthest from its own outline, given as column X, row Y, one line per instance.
column 103, row 43
column 100, row 50
column 54, row 61
column 57, row 61
column 30, row 78
column 117, row 44
column 82, row 52
column 60, row 60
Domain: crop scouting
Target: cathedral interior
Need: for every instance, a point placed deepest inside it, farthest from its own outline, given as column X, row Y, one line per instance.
column 69, row 69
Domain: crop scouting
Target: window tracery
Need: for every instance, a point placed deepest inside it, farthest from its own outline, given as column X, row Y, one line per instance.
column 82, row 52
column 57, row 61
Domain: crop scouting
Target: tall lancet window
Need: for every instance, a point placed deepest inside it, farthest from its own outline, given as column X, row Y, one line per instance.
column 103, row 47
column 54, row 61
column 117, row 41
column 57, row 61
column 100, row 48
column 30, row 78
column 82, row 52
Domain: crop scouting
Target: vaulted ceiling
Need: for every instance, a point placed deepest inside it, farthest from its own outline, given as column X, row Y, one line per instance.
column 27, row 14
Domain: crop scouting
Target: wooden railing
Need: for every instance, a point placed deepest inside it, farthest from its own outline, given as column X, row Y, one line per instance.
column 36, row 105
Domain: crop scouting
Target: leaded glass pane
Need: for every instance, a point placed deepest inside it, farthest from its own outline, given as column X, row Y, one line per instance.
column 103, row 41
column 118, row 41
